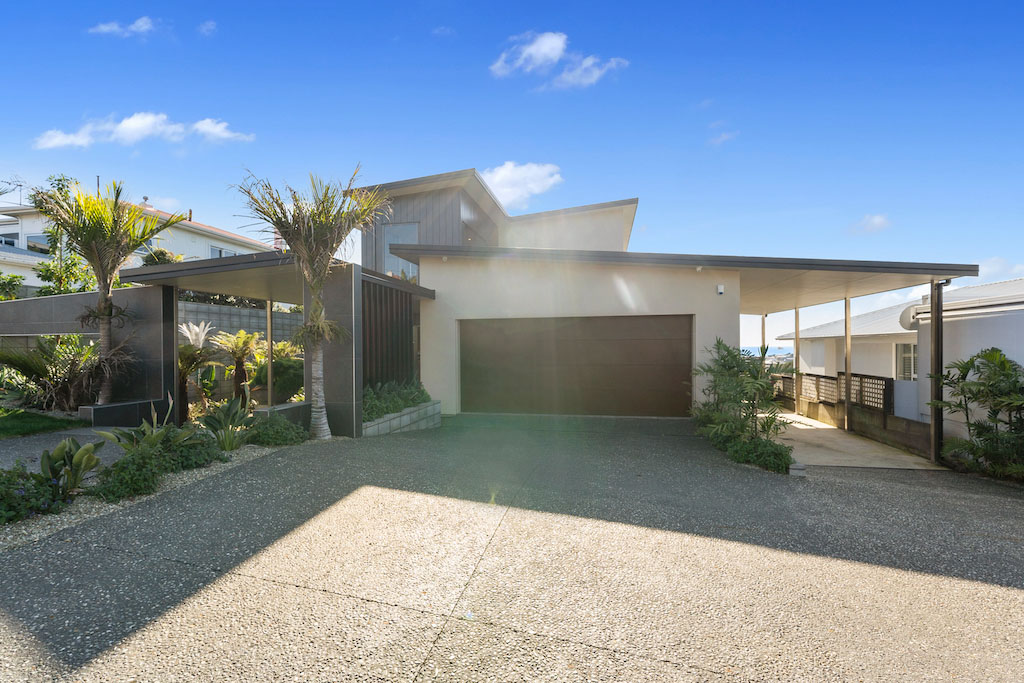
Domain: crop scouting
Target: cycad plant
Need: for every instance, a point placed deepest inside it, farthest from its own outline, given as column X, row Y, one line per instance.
column 239, row 346
column 193, row 355
column 104, row 230
column 314, row 226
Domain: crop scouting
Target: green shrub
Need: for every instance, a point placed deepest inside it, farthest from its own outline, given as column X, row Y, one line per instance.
column 137, row 473
column 25, row 494
column 276, row 431
column 288, row 377
column 200, row 450
column 67, row 465
column 61, row 373
column 385, row 399
column 764, row 453
column 230, row 422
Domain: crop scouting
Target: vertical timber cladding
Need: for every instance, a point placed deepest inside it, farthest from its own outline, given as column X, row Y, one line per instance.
column 616, row 365
column 387, row 335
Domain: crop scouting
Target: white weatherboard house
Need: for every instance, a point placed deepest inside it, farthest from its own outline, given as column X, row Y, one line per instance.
column 23, row 241
column 896, row 341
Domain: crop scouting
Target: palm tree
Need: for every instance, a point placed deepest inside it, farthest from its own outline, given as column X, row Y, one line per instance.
column 314, row 227
column 193, row 355
column 104, row 230
column 239, row 346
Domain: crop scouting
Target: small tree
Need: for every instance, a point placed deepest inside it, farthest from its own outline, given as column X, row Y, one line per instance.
column 239, row 346
column 315, row 226
column 160, row 256
column 193, row 355
column 10, row 286
column 104, row 230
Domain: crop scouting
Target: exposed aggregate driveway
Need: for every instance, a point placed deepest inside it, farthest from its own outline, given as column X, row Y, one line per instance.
column 528, row 549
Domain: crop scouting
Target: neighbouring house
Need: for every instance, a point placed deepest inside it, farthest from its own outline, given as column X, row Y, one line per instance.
column 539, row 313
column 895, row 342
column 22, row 228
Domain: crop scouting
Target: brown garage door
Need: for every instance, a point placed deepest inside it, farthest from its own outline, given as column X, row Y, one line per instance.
column 621, row 365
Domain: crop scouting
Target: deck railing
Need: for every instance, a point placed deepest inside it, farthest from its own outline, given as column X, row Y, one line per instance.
column 869, row 391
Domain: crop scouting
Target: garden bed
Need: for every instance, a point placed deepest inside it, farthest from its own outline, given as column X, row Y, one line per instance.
column 85, row 507
column 423, row 416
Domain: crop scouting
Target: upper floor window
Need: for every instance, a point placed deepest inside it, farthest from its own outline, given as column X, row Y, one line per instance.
column 9, row 239
column 906, row 361
column 145, row 248
column 221, row 252
column 397, row 233
column 38, row 243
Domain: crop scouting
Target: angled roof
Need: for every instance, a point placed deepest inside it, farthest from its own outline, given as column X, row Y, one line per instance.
column 767, row 285
column 888, row 320
column 21, row 210
column 882, row 321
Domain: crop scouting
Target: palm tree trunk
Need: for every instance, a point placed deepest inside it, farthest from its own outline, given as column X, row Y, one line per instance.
column 182, row 399
column 106, row 378
column 318, row 426
column 240, row 376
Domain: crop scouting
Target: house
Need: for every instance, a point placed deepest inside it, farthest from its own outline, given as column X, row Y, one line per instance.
column 23, row 241
column 540, row 313
column 895, row 342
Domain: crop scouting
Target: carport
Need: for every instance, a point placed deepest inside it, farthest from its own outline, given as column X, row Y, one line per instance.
column 598, row 332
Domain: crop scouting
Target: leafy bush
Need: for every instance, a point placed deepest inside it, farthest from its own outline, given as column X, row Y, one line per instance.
column 67, row 465
column 10, row 286
column 229, row 422
column 392, row 397
column 739, row 413
column 288, row 377
column 200, row 450
column 24, row 494
column 276, row 431
column 987, row 389
column 61, row 373
column 160, row 256
column 137, row 473
column 764, row 453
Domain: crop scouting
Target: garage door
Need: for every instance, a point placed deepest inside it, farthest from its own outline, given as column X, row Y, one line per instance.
column 620, row 365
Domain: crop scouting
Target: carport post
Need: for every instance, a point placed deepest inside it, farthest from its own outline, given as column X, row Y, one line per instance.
column 797, row 382
column 270, row 353
column 936, row 370
column 848, row 384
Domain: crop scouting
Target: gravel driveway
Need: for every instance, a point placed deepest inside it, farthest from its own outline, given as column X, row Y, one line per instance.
column 528, row 549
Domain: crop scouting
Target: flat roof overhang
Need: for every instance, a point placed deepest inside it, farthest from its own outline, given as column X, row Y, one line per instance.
column 767, row 285
column 270, row 275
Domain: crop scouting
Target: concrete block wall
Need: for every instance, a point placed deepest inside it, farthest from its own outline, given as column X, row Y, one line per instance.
column 232, row 319
column 424, row 416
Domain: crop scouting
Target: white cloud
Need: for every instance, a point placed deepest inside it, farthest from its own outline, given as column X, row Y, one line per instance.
column 136, row 128
column 514, row 184
column 139, row 27
column 587, row 72
column 723, row 137
column 998, row 268
column 207, row 28
column 215, row 130
column 704, row 104
column 443, row 31
column 531, row 52
column 873, row 222
column 165, row 203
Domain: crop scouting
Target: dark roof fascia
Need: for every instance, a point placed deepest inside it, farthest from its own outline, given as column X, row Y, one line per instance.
column 413, row 252
column 395, row 283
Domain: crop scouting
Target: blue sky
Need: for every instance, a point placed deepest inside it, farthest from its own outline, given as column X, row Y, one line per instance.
column 875, row 131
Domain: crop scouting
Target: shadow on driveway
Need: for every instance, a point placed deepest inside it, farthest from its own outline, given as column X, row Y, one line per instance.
column 627, row 545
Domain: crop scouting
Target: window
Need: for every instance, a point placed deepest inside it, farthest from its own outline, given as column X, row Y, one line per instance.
column 9, row 239
column 397, row 233
column 145, row 248
column 906, row 361
column 221, row 252
column 38, row 243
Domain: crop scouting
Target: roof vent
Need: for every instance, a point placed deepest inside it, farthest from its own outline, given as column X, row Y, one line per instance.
column 145, row 203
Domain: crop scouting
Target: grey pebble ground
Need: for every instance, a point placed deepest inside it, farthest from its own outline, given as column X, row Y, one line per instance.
column 548, row 550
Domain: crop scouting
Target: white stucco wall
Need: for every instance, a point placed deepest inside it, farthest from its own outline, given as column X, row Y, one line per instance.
column 599, row 230
column 497, row 288
column 962, row 338
column 10, row 267
column 871, row 356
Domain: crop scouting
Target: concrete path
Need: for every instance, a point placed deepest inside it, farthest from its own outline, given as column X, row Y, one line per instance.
column 817, row 443
column 586, row 550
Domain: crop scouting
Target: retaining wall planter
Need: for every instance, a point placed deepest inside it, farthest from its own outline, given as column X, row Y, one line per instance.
column 424, row 416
